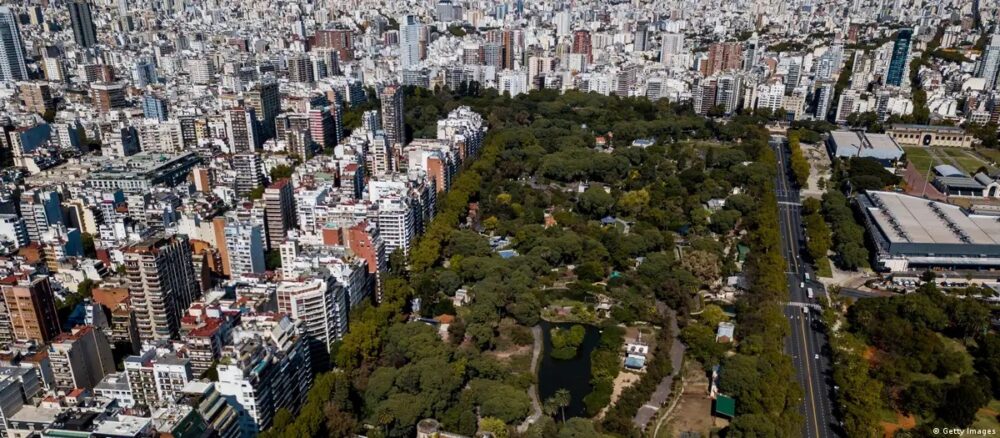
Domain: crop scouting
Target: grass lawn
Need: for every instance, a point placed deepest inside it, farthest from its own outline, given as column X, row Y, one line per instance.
column 986, row 418
column 823, row 268
column 990, row 154
column 920, row 158
column 966, row 162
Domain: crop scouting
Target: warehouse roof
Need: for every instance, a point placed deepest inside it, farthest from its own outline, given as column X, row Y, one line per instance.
column 904, row 218
column 948, row 170
column 865, row 145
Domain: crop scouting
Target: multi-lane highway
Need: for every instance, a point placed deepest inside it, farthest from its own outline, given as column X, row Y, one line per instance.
column 807, row 343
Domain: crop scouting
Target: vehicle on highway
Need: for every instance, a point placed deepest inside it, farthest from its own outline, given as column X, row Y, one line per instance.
column 815, row 356
column 802, row 285
column 809, row 292
column 805, row 310
column 807, row 276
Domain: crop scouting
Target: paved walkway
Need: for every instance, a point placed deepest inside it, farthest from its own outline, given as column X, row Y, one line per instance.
column 536, row 406
column 662, row 392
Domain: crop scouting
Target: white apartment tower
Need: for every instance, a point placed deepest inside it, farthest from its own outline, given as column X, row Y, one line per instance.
column 161, row 284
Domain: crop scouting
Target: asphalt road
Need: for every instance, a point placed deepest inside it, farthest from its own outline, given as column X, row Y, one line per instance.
column 807, row 344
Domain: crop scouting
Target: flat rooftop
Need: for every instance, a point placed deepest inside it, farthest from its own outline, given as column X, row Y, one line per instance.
column 910, row 219
column 34, row 414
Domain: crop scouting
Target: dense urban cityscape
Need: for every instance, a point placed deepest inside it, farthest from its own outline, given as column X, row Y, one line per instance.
column 503, row 218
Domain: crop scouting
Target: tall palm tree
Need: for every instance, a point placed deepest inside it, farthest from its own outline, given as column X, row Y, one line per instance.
column 562, row 399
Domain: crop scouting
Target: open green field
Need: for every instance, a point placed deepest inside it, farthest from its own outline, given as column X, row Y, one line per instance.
column 966, row 160
column 920, row 157
column 990, row 154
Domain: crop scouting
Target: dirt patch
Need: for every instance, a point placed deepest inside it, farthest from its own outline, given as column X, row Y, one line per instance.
column 918, row 185
column 515, row 350
column 869, row 354
column 622, row 381
column 694, row 409
column 904, row 422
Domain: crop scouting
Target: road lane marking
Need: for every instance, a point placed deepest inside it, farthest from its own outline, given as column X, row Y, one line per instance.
column 812, row 397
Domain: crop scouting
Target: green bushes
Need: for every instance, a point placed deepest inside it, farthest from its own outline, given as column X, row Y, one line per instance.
column 799, row 164
column 848, row 235
column 605, row 363
column 566, row 341
column 818, row 235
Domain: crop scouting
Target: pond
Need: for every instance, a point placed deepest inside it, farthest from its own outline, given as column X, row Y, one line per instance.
column 573, row 374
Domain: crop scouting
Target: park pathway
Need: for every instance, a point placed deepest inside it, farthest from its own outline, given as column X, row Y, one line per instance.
column 536, row 406
column 662, row 392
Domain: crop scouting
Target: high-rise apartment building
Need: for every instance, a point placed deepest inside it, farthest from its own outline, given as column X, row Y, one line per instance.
column 157, row 379
column 582, row 44
column 265, row 99
column 318, row 303
column 36, row 97
column 213, row 407
column 81, row 358
column 392, row 116
column 900, row 54
column 40, row 209
column 326, row 125
column 31, row 309
column 245, row 247
column 794, row 74
column 722, row 57
column 84, row 31
column 846, row 104
column 249, row 173
column 265, row 370
column 671, row 45
column 989, row 66
column 410, row 40
column 154, row 108
column 161, row 283
column 396, row 223
column 341, row 40
column 201, row 70
column 508, row 39
column 279, row 211
column 12, row 65
column 107, row 96
column 300, row 69
column 823, row 98
column 243, row 130
column 703, row 95
column 729, row 90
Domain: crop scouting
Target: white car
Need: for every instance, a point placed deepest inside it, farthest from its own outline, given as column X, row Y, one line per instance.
column 816, row 357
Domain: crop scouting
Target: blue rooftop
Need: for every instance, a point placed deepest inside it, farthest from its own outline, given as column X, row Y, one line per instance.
column 635, row 362
column 507, row 253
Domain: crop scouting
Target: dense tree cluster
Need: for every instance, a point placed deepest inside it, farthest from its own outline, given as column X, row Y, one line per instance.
column 819, row 238
column 926, row 353
column 798, row 164
column 759, row 376
column 605, row 362
column 566, row 341
column 848, row 236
